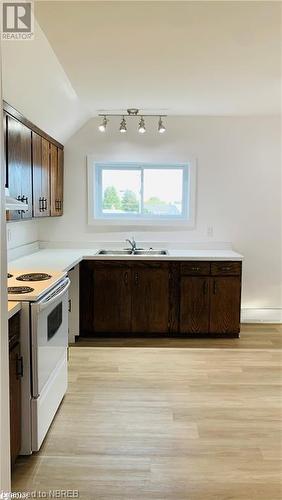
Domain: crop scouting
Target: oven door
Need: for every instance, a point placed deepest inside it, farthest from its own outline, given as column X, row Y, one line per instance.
column 49, row 335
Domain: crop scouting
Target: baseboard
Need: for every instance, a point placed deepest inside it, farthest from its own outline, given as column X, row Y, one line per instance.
column 264, row 315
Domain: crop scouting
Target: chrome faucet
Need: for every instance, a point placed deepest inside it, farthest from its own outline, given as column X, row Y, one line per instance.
column 132, row 243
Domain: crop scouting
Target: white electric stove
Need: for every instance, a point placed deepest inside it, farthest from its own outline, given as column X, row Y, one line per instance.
column 44, row 342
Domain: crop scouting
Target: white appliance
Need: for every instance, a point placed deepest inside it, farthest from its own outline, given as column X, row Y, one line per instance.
column 44, row 343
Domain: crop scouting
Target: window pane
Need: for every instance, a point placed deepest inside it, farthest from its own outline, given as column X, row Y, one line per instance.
column 121, row 191
column 163, row 191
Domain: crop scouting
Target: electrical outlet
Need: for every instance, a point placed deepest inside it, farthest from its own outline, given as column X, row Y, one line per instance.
column 210, row 231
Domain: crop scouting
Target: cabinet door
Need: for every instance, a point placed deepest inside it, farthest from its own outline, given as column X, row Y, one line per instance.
column 15, row 403
column 225, row 305
column 194, row 305
column 150, row 299
column 13, row 141
column 19, row 165
column 56, row 175
column 37, row 175
column 26, row 170
column 112, row 299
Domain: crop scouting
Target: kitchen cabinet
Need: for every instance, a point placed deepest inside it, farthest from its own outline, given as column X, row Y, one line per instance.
column 150, row 298
column 34, row 167
column 194, row 305
column 165, row 298
column 124, row 298
column 41, row 176
column 15, row 374
column 225, row 305
column 57, row 179
column 210, row 296
column 107, row 309
column 19, row 167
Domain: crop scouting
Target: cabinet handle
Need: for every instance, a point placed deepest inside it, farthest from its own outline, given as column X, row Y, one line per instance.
column 20, row 367
column 44, row 203
column 226, row 268
column 40, row 204
column 125, row 278
column 214, row 287
column 69, row 306
column 136, row 278
column 205, row 288
column 195, row 269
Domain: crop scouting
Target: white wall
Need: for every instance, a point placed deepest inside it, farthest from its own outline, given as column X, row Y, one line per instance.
column 35, row 83
column 21, row 233
column 238, row 190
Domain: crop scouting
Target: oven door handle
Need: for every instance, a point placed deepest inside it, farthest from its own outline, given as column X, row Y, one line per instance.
column 53, row 297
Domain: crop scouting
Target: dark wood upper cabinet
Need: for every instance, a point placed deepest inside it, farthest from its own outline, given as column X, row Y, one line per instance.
column 194, row 305
column 19, row 167
column 150, row 298
column 57, row 177
column 34, row 166
column 225, row 304
column 41, row 176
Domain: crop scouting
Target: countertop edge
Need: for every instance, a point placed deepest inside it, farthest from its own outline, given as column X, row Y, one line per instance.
column 13, row 308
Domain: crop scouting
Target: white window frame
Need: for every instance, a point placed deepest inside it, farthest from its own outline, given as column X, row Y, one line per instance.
column 95, row 216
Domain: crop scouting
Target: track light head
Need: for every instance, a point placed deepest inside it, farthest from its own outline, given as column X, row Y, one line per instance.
column 123, row 128
column 142, row 128
column 102, row 127
column 161, row 127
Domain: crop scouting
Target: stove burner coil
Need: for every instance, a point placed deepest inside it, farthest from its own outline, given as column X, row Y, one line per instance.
column 20, row 289
column 34, row 277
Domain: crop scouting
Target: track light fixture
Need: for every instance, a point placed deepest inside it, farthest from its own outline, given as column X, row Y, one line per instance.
column 141, row 128
column 123, row 128
column 131, row 113
column 103, row 125
column 161, row 127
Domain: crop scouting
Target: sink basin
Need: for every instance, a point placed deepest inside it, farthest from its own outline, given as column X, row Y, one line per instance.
column 129, row 252
column 114, row 252
column 150, row 252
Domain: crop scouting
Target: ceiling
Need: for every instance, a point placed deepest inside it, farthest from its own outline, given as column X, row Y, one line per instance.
column 190, row 58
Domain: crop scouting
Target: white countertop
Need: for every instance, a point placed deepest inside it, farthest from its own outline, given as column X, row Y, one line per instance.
column 60, row 259
column 13, row 308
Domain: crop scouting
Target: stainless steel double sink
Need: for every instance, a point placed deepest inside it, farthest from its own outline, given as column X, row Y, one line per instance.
column 140, row 252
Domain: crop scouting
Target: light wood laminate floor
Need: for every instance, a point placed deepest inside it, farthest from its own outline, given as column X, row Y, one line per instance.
column 165, row 423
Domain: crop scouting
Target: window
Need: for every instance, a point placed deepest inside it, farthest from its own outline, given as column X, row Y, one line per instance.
column 140, row 193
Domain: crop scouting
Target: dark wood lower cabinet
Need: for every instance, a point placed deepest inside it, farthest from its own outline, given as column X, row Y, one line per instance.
column 194, row 305
column 129, row 297
column 15, row 374
column 150, row 298
column 225, row 305
column 112, row 299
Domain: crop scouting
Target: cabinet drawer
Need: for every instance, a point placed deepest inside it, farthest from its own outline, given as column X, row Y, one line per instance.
column 226, row 268
column 195, row 268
